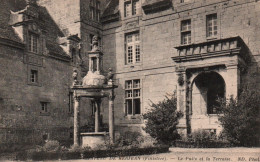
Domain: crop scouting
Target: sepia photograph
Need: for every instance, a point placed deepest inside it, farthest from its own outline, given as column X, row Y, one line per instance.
column 130, row 80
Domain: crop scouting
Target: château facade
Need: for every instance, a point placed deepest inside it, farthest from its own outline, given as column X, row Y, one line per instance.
column 198, row 50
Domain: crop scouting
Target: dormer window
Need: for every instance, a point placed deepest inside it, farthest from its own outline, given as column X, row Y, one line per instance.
column 132, row 7
column 33, row 42
column 95, row 10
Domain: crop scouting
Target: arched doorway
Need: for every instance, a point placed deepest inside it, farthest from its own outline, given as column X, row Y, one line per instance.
column 207, row 87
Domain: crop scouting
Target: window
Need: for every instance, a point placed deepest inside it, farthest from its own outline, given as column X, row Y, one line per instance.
column 133, row 54
column 132, row 7
column 186, row 32
column 43, row 106
column 132, row 97
column 33, row 42
column 34, row 76
column 95, row 10
column 71, row 102
column 212, row 26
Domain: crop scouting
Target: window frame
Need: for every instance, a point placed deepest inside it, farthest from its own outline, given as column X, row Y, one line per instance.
column 134, row 97
column 33, row 68
column 33, row 42
column 213, row 18
column 44, row 107
column 135, row 45
column 34, row 73
column 185, row 32
column 134, row 7
column 95, row 10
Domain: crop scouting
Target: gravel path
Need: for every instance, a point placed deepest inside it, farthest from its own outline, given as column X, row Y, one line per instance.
column 189, row 155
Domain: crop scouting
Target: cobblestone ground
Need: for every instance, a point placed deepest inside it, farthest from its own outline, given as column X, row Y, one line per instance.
column 190, row 155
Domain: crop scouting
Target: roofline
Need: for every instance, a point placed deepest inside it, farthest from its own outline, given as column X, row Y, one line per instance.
column 12, row 43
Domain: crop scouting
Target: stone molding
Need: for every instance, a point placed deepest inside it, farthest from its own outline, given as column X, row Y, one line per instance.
column 215, row 48
column 156, row 6
column 11, row 43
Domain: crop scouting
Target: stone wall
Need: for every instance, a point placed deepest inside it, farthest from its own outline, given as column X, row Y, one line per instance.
column 160, row 33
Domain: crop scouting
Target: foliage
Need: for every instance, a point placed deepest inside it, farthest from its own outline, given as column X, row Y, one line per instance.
column 75, row 148
column 51, row 146
column 201, row 135
column 241, row 118
column 202, row 139
column 132, row 140
column 162, row 120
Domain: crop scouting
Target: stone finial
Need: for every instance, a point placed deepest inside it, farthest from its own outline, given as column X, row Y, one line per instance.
column 75, row 77
column 95, row 44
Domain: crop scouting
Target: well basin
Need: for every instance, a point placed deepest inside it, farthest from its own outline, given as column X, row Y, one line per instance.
column 92, row 139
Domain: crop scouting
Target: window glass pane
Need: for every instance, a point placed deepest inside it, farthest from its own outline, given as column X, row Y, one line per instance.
column 136, row 83
column 33, row 43
column 137, row 106
column 137, row 53
column 127, row 9
column 129, row 38
column 137, row 37
column 136, row 7
column 129, row 107
column 185, row 25
column 212, row 25
column 129, row 94
column 129, row 84
column 33, row 76
column 137, row 93
column 186, row 38
column 44, row 106
column 130, row 54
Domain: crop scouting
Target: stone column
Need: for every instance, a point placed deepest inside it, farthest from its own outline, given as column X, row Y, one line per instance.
column 232, row 80
column 111, row 116
column 90, row 64
column 181, row 99
column 98, row 64
column 97, row 115
column 76, row 120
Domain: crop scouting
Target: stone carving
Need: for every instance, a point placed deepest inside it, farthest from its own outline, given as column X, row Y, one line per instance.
column 75, row 77
column 110, row 76
column 181, row 79
column 95, row 44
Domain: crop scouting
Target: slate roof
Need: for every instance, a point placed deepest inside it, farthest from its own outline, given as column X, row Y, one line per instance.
column 112, row 8
column 6, row 30
column 46, row 23
column 111, row 13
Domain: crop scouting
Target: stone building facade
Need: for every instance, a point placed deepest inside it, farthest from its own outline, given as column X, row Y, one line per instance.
column 196, row 49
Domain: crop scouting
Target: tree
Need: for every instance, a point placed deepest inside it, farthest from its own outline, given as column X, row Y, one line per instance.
column 241, row 118
column 162, row 120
